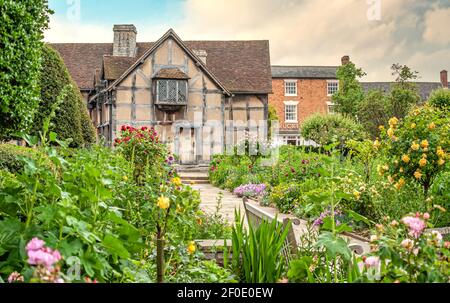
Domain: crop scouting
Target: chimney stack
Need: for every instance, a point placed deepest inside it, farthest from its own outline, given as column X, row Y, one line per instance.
column 345, row 60
column 124, row 40
column 202, row 54
column 444, row 79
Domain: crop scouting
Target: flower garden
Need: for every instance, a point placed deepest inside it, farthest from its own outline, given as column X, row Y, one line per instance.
column 75, row 211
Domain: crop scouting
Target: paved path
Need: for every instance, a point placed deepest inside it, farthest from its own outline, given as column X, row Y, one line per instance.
column 209, row 195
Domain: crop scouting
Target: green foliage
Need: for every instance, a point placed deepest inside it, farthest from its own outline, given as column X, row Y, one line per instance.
column 441, row 99
column 404, row 252
column 71, row 119
column 373, row 111
column 327, row 129
column 403, row 95
column 257, row 254
column 21, row 32
column 286, row 197
column 273, row 117
column 350, row 94
column 10, row 157
column 417, row 147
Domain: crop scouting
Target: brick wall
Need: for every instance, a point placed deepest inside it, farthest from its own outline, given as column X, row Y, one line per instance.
column 311, row 97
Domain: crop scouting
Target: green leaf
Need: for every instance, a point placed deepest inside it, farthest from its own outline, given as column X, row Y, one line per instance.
column 115, row 247
column 334, row 245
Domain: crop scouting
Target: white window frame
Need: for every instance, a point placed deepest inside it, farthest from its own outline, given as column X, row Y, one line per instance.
column 291, row 103
column 286, row 90
column 328, row 86
column 330, row 105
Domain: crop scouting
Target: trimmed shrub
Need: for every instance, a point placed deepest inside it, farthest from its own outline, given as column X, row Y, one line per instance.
column 71, row 120
column 9, row 154
column 21, row 28
column 440, row 98
column 326, row 129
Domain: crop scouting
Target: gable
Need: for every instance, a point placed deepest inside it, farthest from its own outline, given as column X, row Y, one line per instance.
column 241, row 66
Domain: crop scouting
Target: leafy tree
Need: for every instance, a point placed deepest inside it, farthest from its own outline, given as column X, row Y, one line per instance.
column 327, row 129
column 373, row 111
column 21, row 33
column 404, row 94
column 350, row 93
column 71, row 120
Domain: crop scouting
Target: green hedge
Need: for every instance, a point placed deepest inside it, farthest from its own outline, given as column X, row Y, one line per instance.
column 440, row 98
column 72, row 119
column 9, row 154
column 21, row 31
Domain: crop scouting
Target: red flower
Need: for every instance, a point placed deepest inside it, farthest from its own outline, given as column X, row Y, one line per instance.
column 126, row 139
column 123, row 128
column 144, row 128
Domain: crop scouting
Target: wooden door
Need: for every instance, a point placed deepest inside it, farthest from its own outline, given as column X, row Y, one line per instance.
column 187, row 146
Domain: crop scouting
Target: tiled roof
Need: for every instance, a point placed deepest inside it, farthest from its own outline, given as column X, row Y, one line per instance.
column 307, row 72
column 241, row 66
column 171, row 73
column 424, row 88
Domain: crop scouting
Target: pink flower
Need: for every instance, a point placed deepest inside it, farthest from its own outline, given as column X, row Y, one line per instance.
column 415, row 225
column 426, row 216
column 372, row 261
column 35, row 244
column 15, row 277
column 408, row 244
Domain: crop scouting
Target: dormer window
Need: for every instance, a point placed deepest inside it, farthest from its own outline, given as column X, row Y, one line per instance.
column 171, row 87
column 171, row 91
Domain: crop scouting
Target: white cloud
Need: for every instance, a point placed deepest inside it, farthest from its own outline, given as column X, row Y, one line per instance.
column 437, row 26
column 306, row 32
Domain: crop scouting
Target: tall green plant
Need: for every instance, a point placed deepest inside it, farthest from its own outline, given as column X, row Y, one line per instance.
column 21, row 34
column 257, row 254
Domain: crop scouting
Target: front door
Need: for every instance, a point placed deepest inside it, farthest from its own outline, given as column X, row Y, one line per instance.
column 187, row 146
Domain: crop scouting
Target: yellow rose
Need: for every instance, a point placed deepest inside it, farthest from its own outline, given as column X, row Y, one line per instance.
column 125, row 178
column 400, row 183
column 423, row 162
column 401, row 169
column 191, row 247
column 413, row 125
column 381, row 127
column 405, row 158
column 440, row 152
column 386, row 167
column 176, row 181
column 390, row 179
column 393, row 122
column 418, row 174
column 431, row 126
column 441, row 162
column 390, row 132
column 415, row 146
column 357, row 194
column 424, row 143
column 163, row 202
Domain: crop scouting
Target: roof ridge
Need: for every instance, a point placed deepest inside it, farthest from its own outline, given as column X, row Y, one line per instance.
column 305, row 65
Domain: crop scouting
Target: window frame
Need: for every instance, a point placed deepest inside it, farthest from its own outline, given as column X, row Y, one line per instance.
column 167, row 101
column 328, row 87
column 330, row 105
column 290, row 81
column 290, row 103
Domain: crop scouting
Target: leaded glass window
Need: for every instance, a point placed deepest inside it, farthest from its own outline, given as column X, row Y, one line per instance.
column 171, row 91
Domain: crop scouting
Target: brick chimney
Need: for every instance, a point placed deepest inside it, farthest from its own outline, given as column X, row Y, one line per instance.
column 202, row 54
column 444, row 79
column 345, row 59
column 124, row 40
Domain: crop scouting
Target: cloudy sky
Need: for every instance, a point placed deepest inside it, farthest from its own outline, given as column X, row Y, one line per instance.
column 375, row 33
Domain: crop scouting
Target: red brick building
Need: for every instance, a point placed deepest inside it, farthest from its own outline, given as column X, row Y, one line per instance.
column 298, row 92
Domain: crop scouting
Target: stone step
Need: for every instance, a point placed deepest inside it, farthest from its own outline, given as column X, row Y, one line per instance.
column 189, row 182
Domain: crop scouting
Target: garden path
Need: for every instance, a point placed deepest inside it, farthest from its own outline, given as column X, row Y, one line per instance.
column 209, row 196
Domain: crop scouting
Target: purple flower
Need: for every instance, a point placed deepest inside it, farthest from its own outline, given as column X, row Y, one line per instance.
column 415, row 225
column 372, row 261
column 250, row 190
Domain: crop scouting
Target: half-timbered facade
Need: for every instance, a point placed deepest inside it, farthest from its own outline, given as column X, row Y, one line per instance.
column 201, row 96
